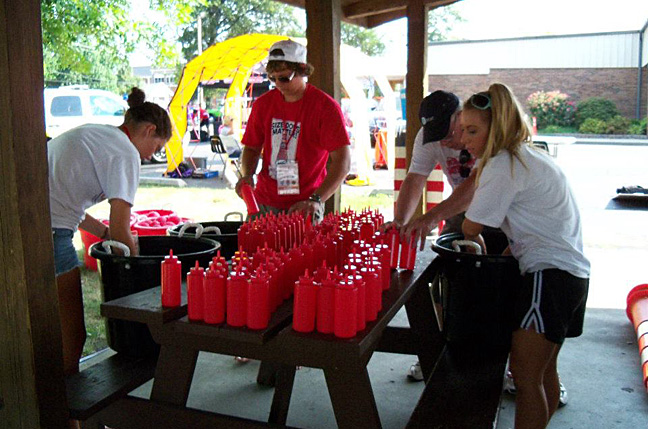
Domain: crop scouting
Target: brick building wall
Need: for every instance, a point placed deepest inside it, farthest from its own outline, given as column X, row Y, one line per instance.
column 616, row 84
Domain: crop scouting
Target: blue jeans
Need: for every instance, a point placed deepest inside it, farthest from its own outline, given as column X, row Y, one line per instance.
column 65, row 256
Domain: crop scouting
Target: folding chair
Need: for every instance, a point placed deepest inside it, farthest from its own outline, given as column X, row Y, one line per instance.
column 218, row 148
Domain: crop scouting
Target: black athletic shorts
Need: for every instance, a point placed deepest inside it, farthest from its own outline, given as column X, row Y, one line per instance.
column 552, row 302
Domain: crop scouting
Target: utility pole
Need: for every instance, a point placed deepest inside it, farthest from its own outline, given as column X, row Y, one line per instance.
column 201, row 96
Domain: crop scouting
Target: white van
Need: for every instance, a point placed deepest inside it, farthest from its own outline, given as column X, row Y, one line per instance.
column 70, row 106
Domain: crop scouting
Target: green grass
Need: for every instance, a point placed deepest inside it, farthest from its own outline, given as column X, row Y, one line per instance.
column 95, row 324
column 357, row 202
column 199, row 204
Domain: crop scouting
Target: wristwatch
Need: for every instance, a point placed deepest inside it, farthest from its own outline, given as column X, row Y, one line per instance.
column 316, row 198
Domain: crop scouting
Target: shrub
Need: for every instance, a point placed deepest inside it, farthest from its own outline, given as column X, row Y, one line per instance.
column 638, row 127
column 617, row 125
column 596, row 108
column 592, row 126
column 551, row 108
column 553, row 129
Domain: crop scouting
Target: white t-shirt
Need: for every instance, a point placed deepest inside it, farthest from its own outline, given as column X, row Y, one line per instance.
column 87, row 165
column 426, row 156
column 535, row 208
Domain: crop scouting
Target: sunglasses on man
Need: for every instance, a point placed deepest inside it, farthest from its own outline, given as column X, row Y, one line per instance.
column 282, row 79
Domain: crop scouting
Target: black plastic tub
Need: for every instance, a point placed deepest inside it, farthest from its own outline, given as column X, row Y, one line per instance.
column 477, row 291
column 228, row 237
column 122, row 276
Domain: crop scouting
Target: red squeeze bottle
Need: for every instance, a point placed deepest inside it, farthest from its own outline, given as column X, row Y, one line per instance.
column 331, row 250
column 358, row 282
column 258, row 305
column 366, row 230
column 373, row 292
column 305, row 304
column 279, row 276
column 286, row 281
column 325, row 305
column 377, row 267
column 195, row 293
column 384, row 255
column 319, row 252
column 215, row 295
column 276, row 295
column 393, row 239
column 171, row 280
column 408, row 254
column 321, row 273
column 219, row 258
column 237, row 299
column 296, row 263
column 248, row 197
column 345, row 310
column 308, row 261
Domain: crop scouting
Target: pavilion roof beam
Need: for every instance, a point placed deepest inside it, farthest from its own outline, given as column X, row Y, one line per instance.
column 373, row 7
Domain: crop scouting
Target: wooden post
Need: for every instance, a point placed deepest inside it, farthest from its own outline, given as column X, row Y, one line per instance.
column 32, row 388
column 417, row 23
column 323, row 34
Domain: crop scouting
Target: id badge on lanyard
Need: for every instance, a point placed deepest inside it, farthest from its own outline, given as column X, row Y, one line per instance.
column 287, row 169
column 287, row 177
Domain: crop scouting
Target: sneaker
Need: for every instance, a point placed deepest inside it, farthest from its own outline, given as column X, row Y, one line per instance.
column 509, row 387
column 509, row 384
column 563, row 396
column 414, row 373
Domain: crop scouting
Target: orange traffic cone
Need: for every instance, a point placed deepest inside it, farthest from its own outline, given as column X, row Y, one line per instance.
column 535, row 126
column 380, row 154
column 637, row 311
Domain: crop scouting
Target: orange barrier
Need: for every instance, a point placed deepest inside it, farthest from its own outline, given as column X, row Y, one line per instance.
column 380, row 154
column 637, row 312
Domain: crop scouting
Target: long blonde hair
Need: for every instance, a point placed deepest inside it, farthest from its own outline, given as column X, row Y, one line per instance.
column 508, row 127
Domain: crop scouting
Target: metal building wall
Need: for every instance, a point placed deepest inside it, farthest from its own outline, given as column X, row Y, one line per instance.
column 600, row 50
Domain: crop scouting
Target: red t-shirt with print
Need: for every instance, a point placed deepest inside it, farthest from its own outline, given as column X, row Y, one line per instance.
column 304, row 131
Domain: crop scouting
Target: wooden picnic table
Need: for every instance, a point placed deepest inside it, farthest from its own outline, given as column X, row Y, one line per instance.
column 343, row 361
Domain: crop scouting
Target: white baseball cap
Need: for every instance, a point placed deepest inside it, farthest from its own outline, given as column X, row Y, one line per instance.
column 287, row 50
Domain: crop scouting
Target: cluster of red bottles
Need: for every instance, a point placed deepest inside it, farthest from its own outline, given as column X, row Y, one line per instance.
column 205, row 288
column 275, row 231
column 342, row 299
column 337, row 271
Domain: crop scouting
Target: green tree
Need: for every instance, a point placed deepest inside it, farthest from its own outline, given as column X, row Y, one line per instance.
column 88, row 42
column 441, row 21
column 224, row 19
column 366, row 40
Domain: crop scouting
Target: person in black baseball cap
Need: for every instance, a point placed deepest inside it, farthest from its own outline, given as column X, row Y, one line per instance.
column 437, row 142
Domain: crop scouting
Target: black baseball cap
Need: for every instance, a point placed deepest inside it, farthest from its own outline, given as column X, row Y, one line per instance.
column 435, row 113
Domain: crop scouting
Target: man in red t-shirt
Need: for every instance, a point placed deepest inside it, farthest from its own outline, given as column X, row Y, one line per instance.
column 295, row 128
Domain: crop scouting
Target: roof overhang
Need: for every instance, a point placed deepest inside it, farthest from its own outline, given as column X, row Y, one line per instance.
column 372, row 13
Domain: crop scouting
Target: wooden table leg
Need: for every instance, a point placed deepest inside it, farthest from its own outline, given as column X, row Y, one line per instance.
column 173, row 374
column 283, row 392
column 267, row 375
column 420, row 313
column 352, row 397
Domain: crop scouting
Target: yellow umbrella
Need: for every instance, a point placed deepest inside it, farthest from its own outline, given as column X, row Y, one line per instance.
column 232, row 59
